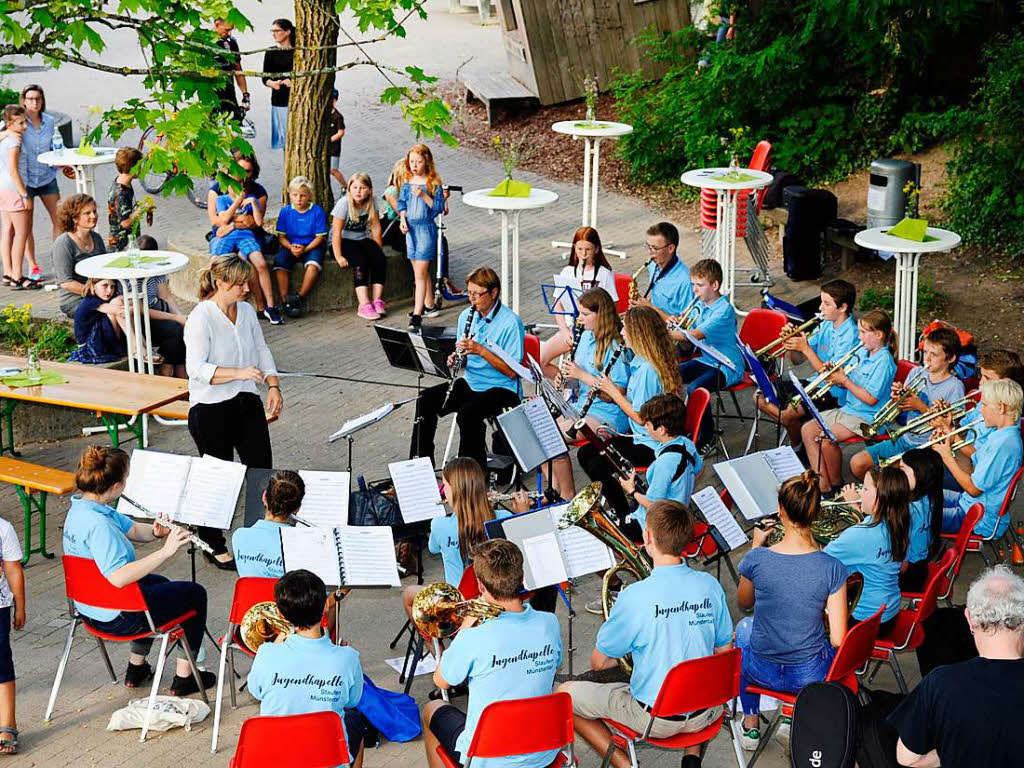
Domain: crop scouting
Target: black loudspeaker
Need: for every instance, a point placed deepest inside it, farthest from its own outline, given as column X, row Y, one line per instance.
column 803, row 247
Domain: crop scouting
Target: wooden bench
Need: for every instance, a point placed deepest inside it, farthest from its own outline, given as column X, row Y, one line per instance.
column 179, row 410
column 30, row 480
column 497, row 90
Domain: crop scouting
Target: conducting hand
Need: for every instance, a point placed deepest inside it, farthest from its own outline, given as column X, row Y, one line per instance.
column 250, row 373
column 275, row 402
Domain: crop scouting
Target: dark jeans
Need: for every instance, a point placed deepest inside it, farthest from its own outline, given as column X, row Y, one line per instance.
column 697, row 374
column 598, row 468
column 369, row 266
column 471, row 409
column 166, row 600
column 221, row 429
column 169, row 337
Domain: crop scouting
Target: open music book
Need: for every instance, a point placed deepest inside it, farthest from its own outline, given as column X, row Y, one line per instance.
column 532, row 433
column 345, row 556
column 325, row 502
column 194, row 490
column 753, row 481
column 718, row 516
column 419, row 497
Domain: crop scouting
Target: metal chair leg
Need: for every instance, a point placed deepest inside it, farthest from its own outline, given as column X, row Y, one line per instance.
column 221, row 668
column 895, row 664
column 106, row 659
column 234, row 676
column 195, row 669
column 60, row 671
column 766, row 738
column 156, row 684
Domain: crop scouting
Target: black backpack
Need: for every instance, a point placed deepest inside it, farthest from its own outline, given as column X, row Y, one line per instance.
column 876, row 737
column 824, row 729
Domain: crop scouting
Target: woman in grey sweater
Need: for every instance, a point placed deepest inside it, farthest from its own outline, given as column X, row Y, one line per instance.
column 79, row 241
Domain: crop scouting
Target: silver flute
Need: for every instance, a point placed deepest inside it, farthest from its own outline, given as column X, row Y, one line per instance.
column 460, row 357
column 497, row 498
column 193, row 538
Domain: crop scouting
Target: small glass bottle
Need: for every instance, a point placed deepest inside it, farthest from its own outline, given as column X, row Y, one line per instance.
column 33, row 371
column 133, row 249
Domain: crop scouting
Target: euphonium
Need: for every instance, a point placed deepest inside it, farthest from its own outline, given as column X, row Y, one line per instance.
column 847, row 363
column 439, row 609
column 584, row 511
column 777, row 348
column 262, row 623
column 836, row 516
column 893, row 407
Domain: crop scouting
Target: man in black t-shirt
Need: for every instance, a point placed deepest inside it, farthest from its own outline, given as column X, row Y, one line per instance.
column 970, row 714
column 230, row 61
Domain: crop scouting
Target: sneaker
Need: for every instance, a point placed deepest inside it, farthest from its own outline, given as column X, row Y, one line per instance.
column 273, row 314
column 293, row 305
column 380, row 307
column 35, row 273
column 750, row 739
column 138, row 675
column 367, row 312
column 415, row 321
column 782, row 732
column 186, row 686
column 595, row 607
column 431, row 311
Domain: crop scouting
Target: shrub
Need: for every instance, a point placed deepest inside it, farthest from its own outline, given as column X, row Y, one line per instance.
column 52, row 339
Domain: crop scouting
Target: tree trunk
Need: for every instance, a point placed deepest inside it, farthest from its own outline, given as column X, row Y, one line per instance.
column 316, row 24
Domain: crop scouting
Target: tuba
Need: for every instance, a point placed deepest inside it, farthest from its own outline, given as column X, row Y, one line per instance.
column 584, row 511
column 439, row 609
column 262, row 623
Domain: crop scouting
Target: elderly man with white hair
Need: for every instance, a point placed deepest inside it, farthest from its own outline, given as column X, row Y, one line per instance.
column 970, row 714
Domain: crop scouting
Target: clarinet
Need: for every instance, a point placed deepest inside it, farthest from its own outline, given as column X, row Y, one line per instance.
column 577, row 335
column 619, row 464
column 460, row 358
column 592, row 394
column 193, row 539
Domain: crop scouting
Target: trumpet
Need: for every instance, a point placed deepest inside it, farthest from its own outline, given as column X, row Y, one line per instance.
column 847, row 363
column 777, row 348
column 970, row 437
column 893, row 406
column 193, row 538
column 921, row 424
column 439, row 609
column 687, row 318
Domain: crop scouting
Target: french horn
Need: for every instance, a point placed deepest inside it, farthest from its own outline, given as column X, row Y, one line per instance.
column 263, row 623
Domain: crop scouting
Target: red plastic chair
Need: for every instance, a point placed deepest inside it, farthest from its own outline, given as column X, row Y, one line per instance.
column 313, row 740
column 696, row 405
column 903, row 369
column 84, row 583
column 907, row 633
column 531, row 347
column 622, row 291
column 976, row 543
column 709, row 681
column 249, row 590
column 549, row 720
column 960, row 548
column 852, row 656
column 760, row 160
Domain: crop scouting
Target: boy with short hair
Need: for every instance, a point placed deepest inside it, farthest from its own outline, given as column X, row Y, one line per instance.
column 12, row 601
column 669, row 291
column 937, row 383
column 834, row 337
column 512, row 656
column 674, row 615
column 307, row 672
column 121, row 213
column 715, row 326
column 677, row 463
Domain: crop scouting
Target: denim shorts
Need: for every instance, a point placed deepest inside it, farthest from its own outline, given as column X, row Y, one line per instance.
column 46, row 189
column 6, row 659
column 285, row 259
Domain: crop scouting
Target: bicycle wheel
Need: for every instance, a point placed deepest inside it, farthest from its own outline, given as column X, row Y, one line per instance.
column 153, row 182
column 200, row 191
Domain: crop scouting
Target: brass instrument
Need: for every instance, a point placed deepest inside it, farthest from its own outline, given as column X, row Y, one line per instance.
column 584, row 511
column 687, row 318
column 577, row 334
column 777, row 348
column 847, row 363
column 439, row 609
column 971, row 436
column 836, row 516
column 634, row 289
column 261, row 624
column 921, row 424
column 893, row 407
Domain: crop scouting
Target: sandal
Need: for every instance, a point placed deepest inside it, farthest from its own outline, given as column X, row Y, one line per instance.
column 26, row 285
column 7, row 280
column 8, row 746
column 138, row 675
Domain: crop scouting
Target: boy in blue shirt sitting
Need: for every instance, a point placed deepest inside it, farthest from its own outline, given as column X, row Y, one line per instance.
column 513, row 656
column 676, row 465
column 307, row 672
column 240, row 237
column 674, row 615
column 716, row 327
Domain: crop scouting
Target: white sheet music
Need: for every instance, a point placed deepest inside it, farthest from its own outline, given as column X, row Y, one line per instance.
column 544, row 427
column 703, row 346
column 752, row 484
column 326, row 501
column 156, row 480
column 354, row 425
column 416, row 486
column 211, row 492
column 545, row 566
column 368, row 556
column 583, row 552
column 424, row 355
column 784, row 462
column 523, row 372
column 312, row 549
column 718, row 515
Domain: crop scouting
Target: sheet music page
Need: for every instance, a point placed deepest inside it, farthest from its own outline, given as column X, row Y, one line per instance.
column 752, row 484
column 423, row 355
column 523, row 372
column 157, row 481
column 211, row 492
column 354, row 425
column 544, row 561
column 583, row 552
column 718, row 515
column 326, row 501
column 783, row 462
column 703, row 346
column 419, row 498
column 368, row 555
column 313, row 549
column 548, row 434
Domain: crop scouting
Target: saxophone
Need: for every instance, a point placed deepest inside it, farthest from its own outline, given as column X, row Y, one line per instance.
column 634, row 288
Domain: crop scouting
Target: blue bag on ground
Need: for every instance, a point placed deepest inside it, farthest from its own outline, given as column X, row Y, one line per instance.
column 394, row 714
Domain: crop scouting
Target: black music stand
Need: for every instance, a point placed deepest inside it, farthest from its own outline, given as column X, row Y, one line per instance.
column 425, row 353
column 826, row 433
column 765, row 388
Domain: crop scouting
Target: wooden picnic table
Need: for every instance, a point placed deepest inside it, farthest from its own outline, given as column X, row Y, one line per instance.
column 115, row 396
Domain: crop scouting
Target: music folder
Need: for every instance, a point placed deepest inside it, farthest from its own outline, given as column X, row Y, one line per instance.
column 753, row 481
column 344, row 556
column 325, row 503
column 532, row 433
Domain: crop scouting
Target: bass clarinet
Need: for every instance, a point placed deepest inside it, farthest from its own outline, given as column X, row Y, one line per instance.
column 594, row 391
column 460, row 357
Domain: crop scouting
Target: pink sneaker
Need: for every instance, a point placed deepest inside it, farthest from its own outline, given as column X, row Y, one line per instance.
column 380, row 307
column 367, row 312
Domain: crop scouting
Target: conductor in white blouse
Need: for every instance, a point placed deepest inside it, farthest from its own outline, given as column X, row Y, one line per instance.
column 227, row 360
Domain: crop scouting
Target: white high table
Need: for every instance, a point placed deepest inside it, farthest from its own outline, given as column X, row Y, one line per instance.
column 908, row 259
column 510, row 208
column 84, row 165
column 592, row 132
column 727, row 193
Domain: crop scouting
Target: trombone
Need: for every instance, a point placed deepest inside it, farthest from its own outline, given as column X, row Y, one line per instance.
column 893, row 406
column 819, row 385
column 777, row 348
column 687, row 318
column 971, row 436
column 921, row 424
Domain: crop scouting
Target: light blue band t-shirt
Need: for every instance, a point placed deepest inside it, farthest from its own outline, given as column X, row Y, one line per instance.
column 996, row 461
column 830, row 343
column 660, row 474
column 875, row 373
column 643, row 385
column 444, row 541
column 258, row 549
column 501, row 328
column 717, row 322
column 867, row 549
column 100, row 533
column 606, row 413
column 672, row 290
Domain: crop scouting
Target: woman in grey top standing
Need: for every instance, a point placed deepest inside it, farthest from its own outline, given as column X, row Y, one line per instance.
column 40, row 179
column 78, row 219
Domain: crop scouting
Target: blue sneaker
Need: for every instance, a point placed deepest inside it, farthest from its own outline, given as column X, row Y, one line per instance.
column 273, row 314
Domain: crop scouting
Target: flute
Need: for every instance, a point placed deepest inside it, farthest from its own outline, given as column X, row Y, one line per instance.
column 497, row 498
column 193, row 538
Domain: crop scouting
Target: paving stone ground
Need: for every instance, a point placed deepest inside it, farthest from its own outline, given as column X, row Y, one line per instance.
column 329, row 343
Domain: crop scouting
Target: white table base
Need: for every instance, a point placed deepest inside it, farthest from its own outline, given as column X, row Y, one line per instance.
column 510, row 285
column 591, row 173
column 85, row 179
column 725, row 239
column 905, row 303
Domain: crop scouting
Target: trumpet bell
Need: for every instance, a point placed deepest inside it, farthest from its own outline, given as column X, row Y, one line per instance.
column 263, row 623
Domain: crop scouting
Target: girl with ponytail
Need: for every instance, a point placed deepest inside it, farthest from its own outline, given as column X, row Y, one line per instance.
column 258, row 548
column 784, row 644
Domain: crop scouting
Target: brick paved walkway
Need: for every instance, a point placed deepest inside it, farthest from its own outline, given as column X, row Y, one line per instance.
column 330, row 343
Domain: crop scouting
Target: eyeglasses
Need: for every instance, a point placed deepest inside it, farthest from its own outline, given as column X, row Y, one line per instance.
column 476, row 294
column 654, row 249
